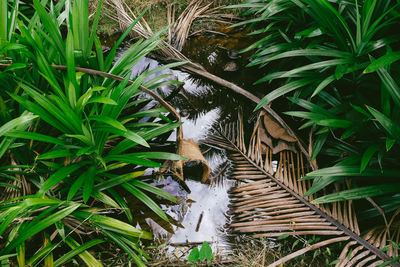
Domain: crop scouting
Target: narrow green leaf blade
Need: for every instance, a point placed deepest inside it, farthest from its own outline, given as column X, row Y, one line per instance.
column 358, row 193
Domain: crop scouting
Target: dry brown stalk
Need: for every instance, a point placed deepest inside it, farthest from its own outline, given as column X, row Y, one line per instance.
column 308, row 248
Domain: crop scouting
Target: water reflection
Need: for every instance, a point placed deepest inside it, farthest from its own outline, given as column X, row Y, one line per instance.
column 198, row 128
column 212, row 202
column 200, row 215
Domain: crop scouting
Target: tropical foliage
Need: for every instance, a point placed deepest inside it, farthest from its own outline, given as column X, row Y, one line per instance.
column 339, row 63
column 72, row 143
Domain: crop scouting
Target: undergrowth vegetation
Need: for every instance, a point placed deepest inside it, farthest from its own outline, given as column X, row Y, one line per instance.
column 72, row 142
column 156, row 15
column 338, row 62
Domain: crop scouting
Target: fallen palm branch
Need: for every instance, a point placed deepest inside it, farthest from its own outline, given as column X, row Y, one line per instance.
column 181, row 27
column 355, row 255
column 269, row 202
column 281, row 261
column 125, row 17
column 13, row 191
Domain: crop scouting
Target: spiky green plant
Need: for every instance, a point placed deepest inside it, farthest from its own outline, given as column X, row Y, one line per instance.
column 339, row 60
column 68, row 138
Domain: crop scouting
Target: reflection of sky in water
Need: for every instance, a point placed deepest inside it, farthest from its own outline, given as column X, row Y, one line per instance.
column 147, row 63
column 212, row 201
column 212, row 58
column 198, row 129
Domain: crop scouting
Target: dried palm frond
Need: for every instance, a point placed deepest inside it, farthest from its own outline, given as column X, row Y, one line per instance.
column 125, row 17
column 181, row 27
column 177, row 33
column 218, row 176
column 355, row 255
column 269, row 202
column 17, row 187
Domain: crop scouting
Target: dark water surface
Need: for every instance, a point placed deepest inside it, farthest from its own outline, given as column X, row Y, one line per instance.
column 202, row 213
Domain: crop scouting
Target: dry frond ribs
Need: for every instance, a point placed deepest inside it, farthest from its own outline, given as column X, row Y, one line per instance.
column 269, row 200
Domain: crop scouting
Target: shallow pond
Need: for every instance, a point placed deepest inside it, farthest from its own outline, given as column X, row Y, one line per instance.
column 201, row 214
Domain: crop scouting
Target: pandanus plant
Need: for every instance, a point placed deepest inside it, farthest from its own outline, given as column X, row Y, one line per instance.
column 72, row 139
column 339, row 62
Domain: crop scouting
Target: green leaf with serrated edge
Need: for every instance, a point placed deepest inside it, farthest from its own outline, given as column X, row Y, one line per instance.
column 100, row 196
column 385, row 263
column 320, row 183
column 102, row 100
column 110, row 121
column 87, row 257
column 334, row 262
column 295, row 243
column 334, row 123
column 351, row 171
column 156, row 155
column 126, row 144
column 13, row 124
column 57, row 153
column 132, row 160
column 289, row 87
column 386, row 248
column 116, row 179
column 41, row 253
column 315, row 254
column 112, row 224
column 318, row 144
column 5, row 257
column 35, row 136
column 389, row 125
column 155, row 190
column 390, row 85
